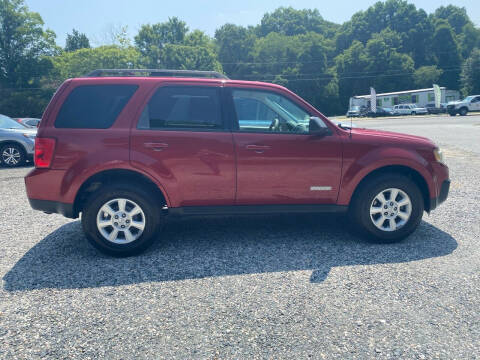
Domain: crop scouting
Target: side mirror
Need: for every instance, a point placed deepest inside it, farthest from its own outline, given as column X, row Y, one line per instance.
column 317, row 127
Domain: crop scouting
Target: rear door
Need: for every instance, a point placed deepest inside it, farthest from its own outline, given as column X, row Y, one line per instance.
column 181, row 139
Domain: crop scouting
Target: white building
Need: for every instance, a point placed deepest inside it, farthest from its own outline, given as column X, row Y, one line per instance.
column 420, row 97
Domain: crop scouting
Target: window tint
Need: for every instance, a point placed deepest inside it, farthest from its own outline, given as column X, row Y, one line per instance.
column 183, row 107
column 94, row 106
column 261, row 111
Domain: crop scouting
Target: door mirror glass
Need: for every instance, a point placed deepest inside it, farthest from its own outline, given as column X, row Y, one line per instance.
column 317, row 127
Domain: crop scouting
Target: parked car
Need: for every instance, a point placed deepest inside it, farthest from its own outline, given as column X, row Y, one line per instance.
column 357, row 111
column 409, row 109
column 28, row 122
column 16, row 142
column 129, row 152
column 380, row 112
column 462, row 107
column 432, row 109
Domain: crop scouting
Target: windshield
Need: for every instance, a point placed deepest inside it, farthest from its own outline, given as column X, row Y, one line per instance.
column 468, row 98
column 8, row 123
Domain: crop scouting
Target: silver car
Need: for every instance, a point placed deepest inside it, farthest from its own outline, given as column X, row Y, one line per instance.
column 16, row 142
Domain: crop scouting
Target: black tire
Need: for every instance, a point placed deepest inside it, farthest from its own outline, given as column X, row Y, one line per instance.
column 452, row 114
column 414, row 113
column 463, row 111
column 153, row 218
column 19, row 155
column 364, row 197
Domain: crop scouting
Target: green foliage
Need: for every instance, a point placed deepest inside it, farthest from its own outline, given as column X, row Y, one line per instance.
column 188, row 57
column 426, row 76
column 289, row 21
column 152, row 38
column 456, row 16
column 391, row 46
column 198, row 38
column 446, row 54
column 23, row 43
column 76, row 41
column 24, row 102
column 80, row 62
column 411, row 24
column 234, row 44
column 470, row 77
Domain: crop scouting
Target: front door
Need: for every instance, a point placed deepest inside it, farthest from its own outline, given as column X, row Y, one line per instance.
column 475, row 104
column 278, row 162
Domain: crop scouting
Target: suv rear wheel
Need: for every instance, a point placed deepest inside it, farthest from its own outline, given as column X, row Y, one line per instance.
column 121, row 220
column 387, row 209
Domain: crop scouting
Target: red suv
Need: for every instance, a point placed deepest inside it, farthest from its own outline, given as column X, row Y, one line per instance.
column 127, row 148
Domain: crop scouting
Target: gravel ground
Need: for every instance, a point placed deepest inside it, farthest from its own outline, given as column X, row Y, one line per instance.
column 274, row 287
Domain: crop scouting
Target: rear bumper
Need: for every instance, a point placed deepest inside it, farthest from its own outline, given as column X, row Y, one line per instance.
column 444, row 190
column 51, row 207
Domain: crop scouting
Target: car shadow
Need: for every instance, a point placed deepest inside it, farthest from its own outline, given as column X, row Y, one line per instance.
column 199, row 248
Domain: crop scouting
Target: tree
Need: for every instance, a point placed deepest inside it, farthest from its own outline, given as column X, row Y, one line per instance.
column 152, row 38
column 411, row 24
column 426, row 76
column 234, row 44
column 446, row 54
column 456, row 16
column 198, row 38
column 80, row 62
column 23, row 45
column 184, row 57
column 470, row 77
column 76, row 40
column 466, row 34
column 289, row 21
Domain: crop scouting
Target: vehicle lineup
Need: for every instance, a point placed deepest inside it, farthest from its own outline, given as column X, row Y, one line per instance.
column 128, row 148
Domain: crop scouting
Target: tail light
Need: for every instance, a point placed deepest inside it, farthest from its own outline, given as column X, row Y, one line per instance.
column 44, row 149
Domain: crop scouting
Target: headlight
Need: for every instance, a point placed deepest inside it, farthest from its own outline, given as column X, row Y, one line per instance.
column 438, row 155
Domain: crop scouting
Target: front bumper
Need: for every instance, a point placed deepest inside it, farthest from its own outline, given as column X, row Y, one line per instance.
column 444, row 190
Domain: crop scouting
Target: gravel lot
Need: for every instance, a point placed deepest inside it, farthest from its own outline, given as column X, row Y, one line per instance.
column 239, row 288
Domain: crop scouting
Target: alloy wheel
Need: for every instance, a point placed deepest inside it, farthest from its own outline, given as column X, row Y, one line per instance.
column 121, row 221
column 11, row 156
column 390, row 209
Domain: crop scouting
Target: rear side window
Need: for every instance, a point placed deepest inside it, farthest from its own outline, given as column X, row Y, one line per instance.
column 174, row 107
column 94, row 106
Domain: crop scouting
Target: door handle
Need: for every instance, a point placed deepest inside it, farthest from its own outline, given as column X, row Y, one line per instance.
column 156, row 146
column 259, row 149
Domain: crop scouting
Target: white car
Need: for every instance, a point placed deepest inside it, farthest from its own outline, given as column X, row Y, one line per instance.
column 462, row 107
column 409, row 109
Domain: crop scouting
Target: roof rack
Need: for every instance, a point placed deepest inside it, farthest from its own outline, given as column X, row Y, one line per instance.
column 156, row 73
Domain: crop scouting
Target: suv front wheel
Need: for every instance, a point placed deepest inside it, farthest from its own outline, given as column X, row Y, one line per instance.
column 387, row 209
column 121, row 220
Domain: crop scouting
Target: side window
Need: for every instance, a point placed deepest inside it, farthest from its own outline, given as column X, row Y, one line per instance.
column 182, row 107
column 94, row 106
column 262, row 111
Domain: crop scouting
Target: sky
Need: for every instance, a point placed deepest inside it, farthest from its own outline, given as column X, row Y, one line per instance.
column 97, row 17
